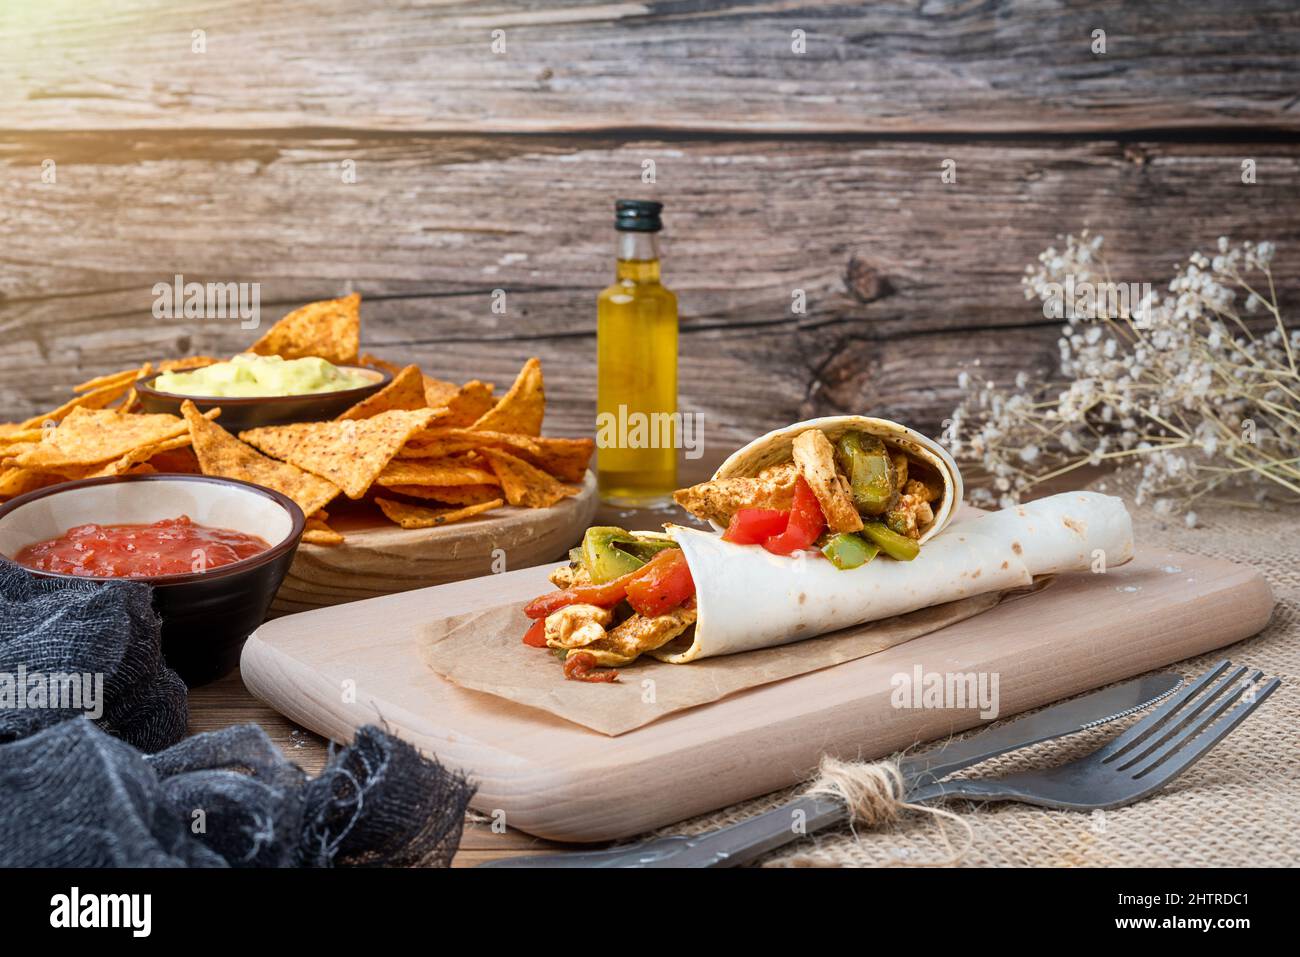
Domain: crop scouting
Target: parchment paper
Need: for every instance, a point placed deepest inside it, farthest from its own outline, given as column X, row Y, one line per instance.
column 483, row 651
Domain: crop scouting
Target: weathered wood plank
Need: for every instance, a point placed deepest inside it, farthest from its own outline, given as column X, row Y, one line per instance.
column 906, row 277
column 1004, row 65
column 227, row 702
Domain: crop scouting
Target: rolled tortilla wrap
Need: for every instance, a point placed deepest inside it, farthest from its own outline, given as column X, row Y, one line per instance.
column 1063, row 533
column 749, row 598
column 777, row 447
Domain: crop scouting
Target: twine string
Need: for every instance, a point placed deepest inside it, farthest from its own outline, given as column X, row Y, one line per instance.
column 875, row 794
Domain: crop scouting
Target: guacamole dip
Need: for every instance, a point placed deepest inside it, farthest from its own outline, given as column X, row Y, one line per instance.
column 250, row 375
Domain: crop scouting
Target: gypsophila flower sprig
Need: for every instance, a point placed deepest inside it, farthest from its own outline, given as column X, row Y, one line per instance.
column 1188, row 390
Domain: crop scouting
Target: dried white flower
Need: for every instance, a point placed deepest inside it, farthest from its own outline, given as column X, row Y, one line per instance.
column 1167, row 393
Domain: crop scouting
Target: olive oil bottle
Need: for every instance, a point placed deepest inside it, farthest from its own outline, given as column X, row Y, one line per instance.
column 636, row 347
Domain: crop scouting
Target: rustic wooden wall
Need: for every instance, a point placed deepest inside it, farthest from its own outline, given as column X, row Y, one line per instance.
column 477, row 170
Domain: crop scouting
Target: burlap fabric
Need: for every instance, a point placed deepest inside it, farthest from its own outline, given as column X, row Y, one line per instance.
column 1238, row 806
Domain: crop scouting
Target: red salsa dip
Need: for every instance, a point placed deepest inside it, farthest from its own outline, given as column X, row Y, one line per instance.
column 173, row 546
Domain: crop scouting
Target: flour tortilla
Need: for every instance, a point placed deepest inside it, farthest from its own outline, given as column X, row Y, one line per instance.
column 776, row 447
column 749, row 598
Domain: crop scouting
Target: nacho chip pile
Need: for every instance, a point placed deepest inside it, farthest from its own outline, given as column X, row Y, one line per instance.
column 93, row 435
column 430, row 453
column 425, row 452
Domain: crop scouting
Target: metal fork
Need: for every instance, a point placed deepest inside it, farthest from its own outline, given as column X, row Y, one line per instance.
column 1136, row 763
column 1140, row 761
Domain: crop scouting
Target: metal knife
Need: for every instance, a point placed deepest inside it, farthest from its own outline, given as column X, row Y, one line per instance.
column 742, row 842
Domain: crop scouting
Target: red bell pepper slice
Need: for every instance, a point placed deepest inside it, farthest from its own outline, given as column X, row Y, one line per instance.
column 753, row 526
column 662, row 585
column 578, row 668
column 806, row 523
column 606, row 595
column 535, row 636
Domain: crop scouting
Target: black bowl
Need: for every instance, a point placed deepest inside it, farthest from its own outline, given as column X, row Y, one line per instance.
column 206, row 616
column 239, row 413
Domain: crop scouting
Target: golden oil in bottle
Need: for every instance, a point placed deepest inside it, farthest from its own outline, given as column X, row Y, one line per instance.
column 636, row 348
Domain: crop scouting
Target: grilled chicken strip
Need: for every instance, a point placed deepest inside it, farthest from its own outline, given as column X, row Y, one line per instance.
column 815, row 458
column 623, row 644
column 567, row 576
column 575, row 626
column 912, row 512
column 719, row 499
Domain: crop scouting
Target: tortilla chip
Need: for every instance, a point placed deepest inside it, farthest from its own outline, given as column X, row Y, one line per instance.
column 9, row 456
column 449, row 494
column 147, row 453
column 182, row 460
column 113, row 378
column 20, row 481
column 318, row 533
column 97, row 398
column 220, row 453
column 88, row 436
column 471, row 401
column 415, row 451
column 522, row 408
column 525, row 484
column 438, row 448
column 131, row 403
column 406, row 391
column 374, row 362
column 127, row 462
column 434, row 472
column 350, row 453
column 566, row 459
column 187, row 363
column 21, row 436
column 330, row 329
column 438, row 392
column 417, row 516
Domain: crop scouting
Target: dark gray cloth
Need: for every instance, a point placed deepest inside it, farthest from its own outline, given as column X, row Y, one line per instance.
column 54, row 626
column 74, row 795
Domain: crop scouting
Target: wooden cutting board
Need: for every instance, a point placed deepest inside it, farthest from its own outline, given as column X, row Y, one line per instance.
column 380, row 558
column 335, row 669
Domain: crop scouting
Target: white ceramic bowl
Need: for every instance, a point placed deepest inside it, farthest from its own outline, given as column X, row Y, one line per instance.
column 206, row 615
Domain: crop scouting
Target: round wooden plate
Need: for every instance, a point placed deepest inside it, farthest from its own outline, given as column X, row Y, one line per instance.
column 379, row 558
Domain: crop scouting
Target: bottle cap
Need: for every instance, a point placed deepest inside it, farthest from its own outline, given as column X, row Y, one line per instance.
column 637, row 216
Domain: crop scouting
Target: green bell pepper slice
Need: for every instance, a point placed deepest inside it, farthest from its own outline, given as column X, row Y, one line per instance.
column 609, row 552
column 603, row 560
column 891, row 543
column 847, row 550
column 866, row 462
column 644, row 548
